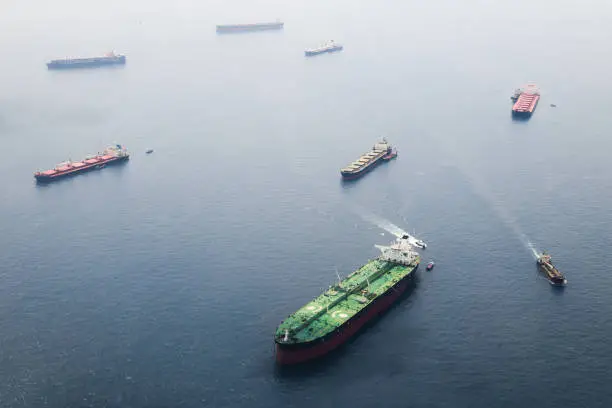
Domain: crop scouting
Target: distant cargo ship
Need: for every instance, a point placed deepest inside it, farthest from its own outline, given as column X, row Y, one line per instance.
column 337, row 314
column 67, row 63
column 382, row 151
column 526, row 101
column 111, row 155
column 553, row 275
column 232, row 28
column 329, row 46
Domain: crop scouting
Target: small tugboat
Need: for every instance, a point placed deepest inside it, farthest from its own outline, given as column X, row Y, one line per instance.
column 414, row 242
column 431, row 265
column 552, row 274
column 419, row 244
column 149, row 151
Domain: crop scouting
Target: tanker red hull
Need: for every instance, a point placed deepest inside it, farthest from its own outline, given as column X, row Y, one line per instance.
column 298, row 353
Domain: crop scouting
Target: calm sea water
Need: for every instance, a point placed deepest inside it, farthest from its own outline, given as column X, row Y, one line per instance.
column 160, row 283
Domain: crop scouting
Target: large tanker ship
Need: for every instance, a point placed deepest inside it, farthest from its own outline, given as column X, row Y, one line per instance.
column 336, row 315
column 112, row 155
column 67, row 63
column 382, row 151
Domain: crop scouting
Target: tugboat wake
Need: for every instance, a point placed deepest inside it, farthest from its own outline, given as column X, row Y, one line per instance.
column 389, row 227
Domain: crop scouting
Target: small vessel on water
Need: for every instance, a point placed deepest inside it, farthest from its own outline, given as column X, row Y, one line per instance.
column 234, row 28
column 414, row 241
column 419, row 244
column 149, row 151
column 382, row 151
column 553, row 275
column 329, row 46
column 111, row 155
column 68, row 63
column 336, row 315
column 526, row 101
column 431, row 265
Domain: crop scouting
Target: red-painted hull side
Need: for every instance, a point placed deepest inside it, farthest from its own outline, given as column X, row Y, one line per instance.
column 78, row 170
column 293, row 354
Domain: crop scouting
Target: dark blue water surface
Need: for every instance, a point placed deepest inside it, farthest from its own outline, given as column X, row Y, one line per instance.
column 160, row 283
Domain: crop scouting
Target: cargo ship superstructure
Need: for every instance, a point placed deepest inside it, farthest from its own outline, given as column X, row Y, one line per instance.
column 553, row 275
column 234, row 28
column 330, row 46
column 111, row 155
column 381, row 152
column 336, row 315
column 526, row 101
column 68, row 63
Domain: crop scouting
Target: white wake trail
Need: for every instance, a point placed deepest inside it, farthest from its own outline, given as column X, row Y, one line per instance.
column 379, row 221
column 479, row 186
column 534, row 251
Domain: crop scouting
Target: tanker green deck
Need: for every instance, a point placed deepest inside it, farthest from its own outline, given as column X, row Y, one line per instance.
column 344, row 300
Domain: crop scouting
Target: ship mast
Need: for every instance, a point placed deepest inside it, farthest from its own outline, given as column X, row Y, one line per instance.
column 338, row 275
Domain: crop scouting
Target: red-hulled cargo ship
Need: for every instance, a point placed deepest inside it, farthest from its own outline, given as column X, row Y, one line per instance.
column 526, row 101
column 112, row 155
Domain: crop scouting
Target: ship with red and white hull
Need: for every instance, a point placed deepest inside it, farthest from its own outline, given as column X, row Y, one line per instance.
column 381, row 152
column 111, row 155
column 526, row 100
column 335, row 316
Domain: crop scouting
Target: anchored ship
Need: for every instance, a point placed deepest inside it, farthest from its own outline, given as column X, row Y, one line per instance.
column 329, row 46
column 109, row 59
column 232, row 28
column 111, row 155
column 382, row 151
column 553, row 275
column 336, row 315
column 526, row 100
